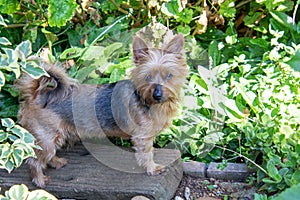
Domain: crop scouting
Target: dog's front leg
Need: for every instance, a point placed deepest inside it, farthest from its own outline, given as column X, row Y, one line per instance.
column 144, row 155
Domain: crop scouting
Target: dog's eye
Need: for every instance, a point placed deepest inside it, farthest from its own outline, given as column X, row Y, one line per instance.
column 148, row 78
column 169, row 76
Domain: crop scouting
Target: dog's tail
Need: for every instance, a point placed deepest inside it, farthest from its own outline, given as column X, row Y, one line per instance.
column 45, row 89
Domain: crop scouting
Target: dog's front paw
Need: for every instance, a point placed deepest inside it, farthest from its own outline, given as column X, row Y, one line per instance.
column 156, row 169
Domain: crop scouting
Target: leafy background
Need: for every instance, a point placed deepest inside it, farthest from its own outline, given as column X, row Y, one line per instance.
column 242, row 101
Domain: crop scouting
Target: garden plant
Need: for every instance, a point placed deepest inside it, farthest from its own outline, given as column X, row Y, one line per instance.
column 242, row 99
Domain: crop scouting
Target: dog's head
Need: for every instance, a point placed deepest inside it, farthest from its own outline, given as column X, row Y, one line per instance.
column 159, row 73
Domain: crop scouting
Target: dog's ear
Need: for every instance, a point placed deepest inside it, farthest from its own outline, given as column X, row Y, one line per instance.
column 140, row 49
column 176, row 45
column 46, row 90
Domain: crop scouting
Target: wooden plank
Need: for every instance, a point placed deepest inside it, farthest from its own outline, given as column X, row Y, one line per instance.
column 87, row 177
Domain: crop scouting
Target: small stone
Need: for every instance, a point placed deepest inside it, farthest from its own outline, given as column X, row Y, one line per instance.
column 187, row 193
column 178, row 198
column 140, row 198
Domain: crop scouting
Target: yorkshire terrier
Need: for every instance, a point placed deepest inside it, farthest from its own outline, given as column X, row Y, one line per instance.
column 138, row 108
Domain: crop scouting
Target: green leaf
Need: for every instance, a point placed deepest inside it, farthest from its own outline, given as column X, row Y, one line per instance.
column 232, row 110
column 291, row 193
column 295, row 60
column 18, row 192
column 33, row 70
column 93, row 53
column 83, row 73
column 296, row 177
column 260, row 42
column 109, row 50
column 61, row 11
column 51, row 37
column 3, row 136
column 185, row 30
column 115, row 76
column 15, row 67
column 3, row 40
column 185, row 16
column 213, row 137
column 171, row 8
column 40, row 195
column 273, row 171
column 28, row 137
column 24, row 49
column 9, row 166
column 126, row 64
column 7, row 122
column 18, row 156
column 248, row 96
column 214, row 52
column 11, row 54
column 4, row 150
column 9, row 6
column 2, row 22
column 2, row 80
column 19, row 131
column 227, row 9
column 284, row 20
column 70, row 53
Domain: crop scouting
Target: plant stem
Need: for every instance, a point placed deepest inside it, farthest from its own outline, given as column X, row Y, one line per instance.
column 240, row 155
column 243, row 3
column 15, row 25
column 295, row 13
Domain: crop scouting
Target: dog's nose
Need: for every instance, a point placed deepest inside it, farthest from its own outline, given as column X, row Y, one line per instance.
column 158, row 93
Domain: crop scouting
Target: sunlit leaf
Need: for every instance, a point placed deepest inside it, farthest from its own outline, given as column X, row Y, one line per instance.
column 24, row 49
column 60, row 11
column 2, row 22
column 7, row 122
column 18, row 155
column 33, row 70
column 3, row 136
column 171, row 8
column 18, row 192
column 9, row 6
column 4, row 41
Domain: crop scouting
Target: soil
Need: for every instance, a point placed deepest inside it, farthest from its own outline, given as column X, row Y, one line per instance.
column 193, row 188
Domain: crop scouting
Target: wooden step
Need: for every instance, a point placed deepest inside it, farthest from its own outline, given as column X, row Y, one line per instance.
column 109, row 172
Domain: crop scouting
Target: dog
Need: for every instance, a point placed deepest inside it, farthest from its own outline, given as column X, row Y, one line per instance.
column 138, row 108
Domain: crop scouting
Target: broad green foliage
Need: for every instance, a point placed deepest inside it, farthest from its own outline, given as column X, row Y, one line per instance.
column 12, row 62
column 16, row 144
column 21, row 192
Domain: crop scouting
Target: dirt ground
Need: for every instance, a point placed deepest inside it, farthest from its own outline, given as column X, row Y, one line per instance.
column 193, row 188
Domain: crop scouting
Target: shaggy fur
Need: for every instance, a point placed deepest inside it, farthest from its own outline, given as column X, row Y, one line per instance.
column 56, row 109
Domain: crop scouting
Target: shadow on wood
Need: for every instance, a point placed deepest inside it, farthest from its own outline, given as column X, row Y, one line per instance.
column 85, row 177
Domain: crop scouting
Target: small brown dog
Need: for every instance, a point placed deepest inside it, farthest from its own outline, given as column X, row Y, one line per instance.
column 138, row 108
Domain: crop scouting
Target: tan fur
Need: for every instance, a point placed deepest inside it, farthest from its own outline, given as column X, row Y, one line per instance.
column 150, row 100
